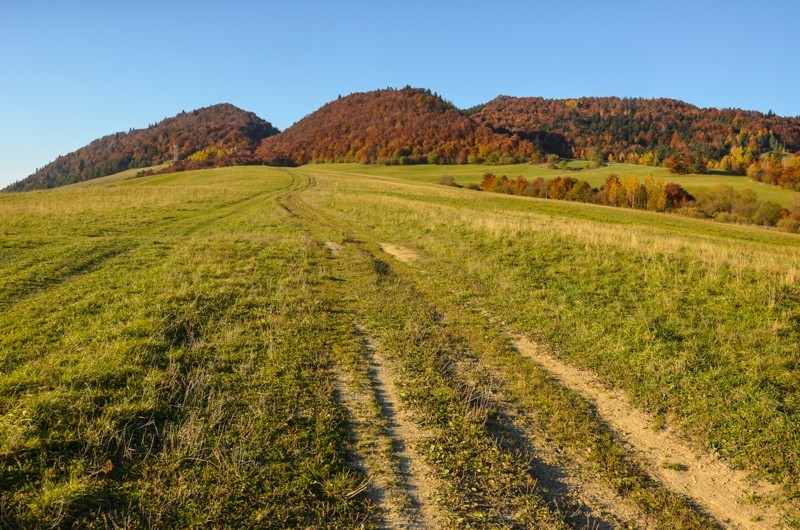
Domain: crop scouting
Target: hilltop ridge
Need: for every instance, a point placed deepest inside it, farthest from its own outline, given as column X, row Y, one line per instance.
column 410, row 125
column 417, row 126
column 218, row 135
column 639, row 130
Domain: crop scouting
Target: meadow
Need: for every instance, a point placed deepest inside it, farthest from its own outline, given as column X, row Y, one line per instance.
column 473, row 173
column 344, row 346
column 162, row 346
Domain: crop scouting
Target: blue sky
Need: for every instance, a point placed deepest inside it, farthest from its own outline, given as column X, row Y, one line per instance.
column 74, row 71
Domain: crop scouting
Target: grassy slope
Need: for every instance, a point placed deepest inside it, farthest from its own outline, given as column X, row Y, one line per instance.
column 697, row 321
column 117, row 177
column 158, row 366
column 167, row 355
column 182, row 327
column 473, row 173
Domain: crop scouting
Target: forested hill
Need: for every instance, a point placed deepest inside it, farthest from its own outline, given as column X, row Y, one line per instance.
column 390, row 126
column 413, row 126
column 644, row 131
column 218, row 135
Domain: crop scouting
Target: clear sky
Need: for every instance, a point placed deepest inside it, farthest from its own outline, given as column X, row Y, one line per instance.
column 74, row 71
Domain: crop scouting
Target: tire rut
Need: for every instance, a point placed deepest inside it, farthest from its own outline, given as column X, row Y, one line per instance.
column 403, row 433
column 383, row 439
column 717, row 488
column 587, row 502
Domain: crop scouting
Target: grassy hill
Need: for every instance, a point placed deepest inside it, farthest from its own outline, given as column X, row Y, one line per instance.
column 315, row 347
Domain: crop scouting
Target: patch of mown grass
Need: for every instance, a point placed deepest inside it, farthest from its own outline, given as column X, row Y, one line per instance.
column 183, row 382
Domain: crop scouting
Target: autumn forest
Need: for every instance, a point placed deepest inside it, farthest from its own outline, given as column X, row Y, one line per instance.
column 416, row 126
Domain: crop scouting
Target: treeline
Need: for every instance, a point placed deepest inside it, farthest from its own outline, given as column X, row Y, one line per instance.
column 724, row 204
column 407, row 126
column 228, row 134
column 721, row 203
column 775, row 168
column 680, row 136
column 626, row 192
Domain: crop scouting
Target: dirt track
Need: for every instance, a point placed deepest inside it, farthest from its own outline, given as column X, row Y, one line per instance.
column 711, row 483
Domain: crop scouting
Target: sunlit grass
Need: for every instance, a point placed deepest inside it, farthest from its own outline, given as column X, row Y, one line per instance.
column 163, row 359
column 473, row 173
column 696, row 320
column 166, row 342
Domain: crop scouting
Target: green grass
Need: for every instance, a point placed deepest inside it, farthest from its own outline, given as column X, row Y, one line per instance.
column 696, row 321
column 169, row 345
column 452, row 368
column 466, row 174
column 160, row 331
column 118, row 177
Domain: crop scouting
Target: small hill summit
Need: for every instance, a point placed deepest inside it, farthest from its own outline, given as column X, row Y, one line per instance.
column 406, row 126
column 219, row 135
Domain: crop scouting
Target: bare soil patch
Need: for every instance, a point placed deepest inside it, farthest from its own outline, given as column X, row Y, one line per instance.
column 399, row 253
column 403, row 433
column 332, row 247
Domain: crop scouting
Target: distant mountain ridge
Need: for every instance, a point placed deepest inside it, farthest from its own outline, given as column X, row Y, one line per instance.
column 212, row 136
column 414, row 126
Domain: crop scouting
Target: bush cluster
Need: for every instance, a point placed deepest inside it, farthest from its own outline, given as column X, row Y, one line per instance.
column 721, row 203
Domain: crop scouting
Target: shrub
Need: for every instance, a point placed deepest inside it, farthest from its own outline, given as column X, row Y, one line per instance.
column 693, row 212
column 448, row 180
column 768, row 214
column 789, row 225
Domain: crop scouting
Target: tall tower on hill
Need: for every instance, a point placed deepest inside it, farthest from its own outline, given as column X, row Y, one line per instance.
column 175, row 152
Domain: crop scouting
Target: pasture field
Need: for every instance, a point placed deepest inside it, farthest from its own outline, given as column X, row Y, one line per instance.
column 466, row 174
column 161, row 352
column 350, row 346
column 128, row 174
